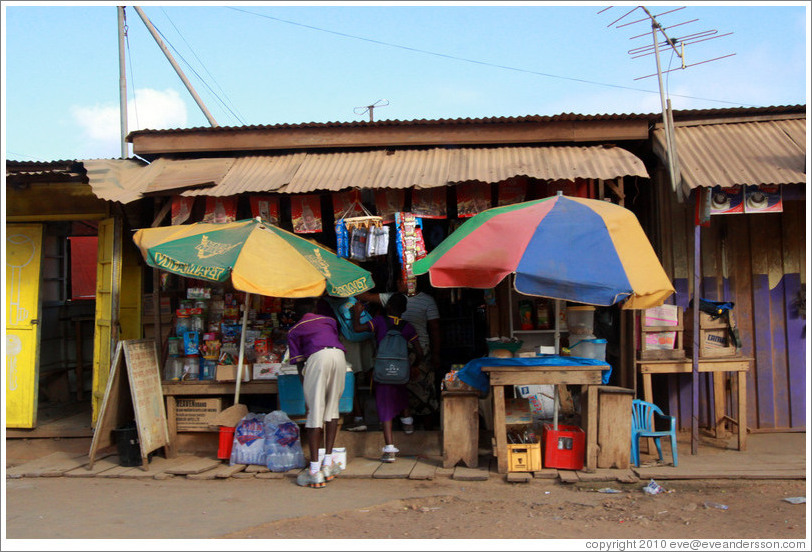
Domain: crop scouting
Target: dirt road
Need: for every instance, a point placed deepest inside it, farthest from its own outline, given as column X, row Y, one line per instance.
column 75, row 508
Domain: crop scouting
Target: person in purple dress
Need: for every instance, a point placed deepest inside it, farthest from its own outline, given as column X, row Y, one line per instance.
column 390, row 399
column 314, row 346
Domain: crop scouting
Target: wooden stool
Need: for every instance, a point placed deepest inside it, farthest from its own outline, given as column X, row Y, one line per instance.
column 460, row 428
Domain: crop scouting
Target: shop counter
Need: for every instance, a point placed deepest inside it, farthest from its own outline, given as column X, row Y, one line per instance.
column 174, row 389
column 541, row 370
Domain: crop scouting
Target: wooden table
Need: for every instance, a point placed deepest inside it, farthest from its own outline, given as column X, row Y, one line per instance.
column 585, row 375
column 173, row 389
column 737, row 365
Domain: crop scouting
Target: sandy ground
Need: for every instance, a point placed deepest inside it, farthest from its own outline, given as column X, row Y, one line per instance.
column 99, row 508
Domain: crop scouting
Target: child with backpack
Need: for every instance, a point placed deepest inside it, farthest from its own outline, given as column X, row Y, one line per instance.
column 392, row 370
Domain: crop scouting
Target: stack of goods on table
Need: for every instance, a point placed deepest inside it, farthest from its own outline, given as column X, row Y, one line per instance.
column 208, row 330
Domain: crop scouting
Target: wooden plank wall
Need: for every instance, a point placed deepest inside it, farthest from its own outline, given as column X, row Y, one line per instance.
column 758, row 262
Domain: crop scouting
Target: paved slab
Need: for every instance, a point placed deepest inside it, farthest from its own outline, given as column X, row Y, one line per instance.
column 53, row 465
column 399, row 469
column 519, row 477
column 99, row 466
column 256, row 468
column 462, row 473
column 229, row 471
column 270, row 475
column 222, row 471
column 117, row 471
column 244, row 475
column 424, row 468
column 546, row 473
column 360, row 468
column 195, row 464
column 568, row 476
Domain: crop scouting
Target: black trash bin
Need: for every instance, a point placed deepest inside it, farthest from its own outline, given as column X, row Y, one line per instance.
column 129, row 447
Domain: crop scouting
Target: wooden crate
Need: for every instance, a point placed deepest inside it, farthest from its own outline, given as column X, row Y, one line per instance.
column 714, row 336
column 649, row 332
column 524, row 457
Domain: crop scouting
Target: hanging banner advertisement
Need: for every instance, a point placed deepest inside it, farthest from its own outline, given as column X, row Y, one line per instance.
column 305, row 210
column 181, row 209
column 266, row 208
column 388, row 202
column 220, row 209
column 347, row 204
column 763, row 199
column 429, row 203
column 727, row 201
column 473, row 198
column 511, row 191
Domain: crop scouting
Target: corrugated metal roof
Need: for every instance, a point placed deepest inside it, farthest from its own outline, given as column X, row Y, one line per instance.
column 728, row 154
column 300, row 172
column 678, row 114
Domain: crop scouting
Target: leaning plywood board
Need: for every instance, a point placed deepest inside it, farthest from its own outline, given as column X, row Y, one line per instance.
column 144, row 401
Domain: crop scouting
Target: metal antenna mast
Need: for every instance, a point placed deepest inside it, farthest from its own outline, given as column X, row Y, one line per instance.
column 370, row 108
column 678, row 47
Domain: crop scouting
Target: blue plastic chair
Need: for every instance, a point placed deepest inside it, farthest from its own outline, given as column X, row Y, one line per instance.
column 643, row 426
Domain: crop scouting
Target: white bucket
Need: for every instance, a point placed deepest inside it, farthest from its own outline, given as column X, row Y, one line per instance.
column 589, row 348
column 340, row 457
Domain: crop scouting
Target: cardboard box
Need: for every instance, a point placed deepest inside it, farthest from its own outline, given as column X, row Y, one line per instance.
column 266, row 370
column 228, row 372
column 664, row 315
column 196, row 414
column 517, row 411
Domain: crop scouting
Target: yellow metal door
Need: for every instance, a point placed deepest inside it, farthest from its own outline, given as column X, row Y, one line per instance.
column 108, row 281
column 23, row 259
column 129, row 312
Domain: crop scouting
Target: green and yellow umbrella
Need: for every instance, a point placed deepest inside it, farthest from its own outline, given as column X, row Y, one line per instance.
column 258, row 257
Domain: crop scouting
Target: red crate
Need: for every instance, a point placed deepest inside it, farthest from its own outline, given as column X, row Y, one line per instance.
column 564, row 447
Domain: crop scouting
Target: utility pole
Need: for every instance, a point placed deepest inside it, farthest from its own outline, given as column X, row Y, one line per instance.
column 175, row 66
column 122, row 81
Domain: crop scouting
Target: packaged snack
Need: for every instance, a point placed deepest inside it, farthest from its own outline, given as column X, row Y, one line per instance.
column 191, row 343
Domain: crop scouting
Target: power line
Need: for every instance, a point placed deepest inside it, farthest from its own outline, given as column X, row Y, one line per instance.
column 237, row 114
column 477, row 62
column 196, row 73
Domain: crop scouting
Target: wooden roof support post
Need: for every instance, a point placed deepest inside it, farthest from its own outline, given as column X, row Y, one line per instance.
column 156, row 281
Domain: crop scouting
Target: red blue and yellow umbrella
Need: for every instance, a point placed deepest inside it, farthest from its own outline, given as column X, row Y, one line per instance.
column 575, row 249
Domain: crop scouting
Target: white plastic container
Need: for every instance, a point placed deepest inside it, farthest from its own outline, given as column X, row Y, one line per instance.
column 580, row 320
column 589, row 348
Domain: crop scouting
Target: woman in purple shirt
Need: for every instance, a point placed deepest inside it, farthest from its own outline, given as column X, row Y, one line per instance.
column 314, row 342
column 390, row 399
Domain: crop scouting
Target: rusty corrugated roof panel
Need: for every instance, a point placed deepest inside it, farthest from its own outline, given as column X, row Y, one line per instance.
column 294, row 173
column 729, row 154
column 654, row 117
column 187, row 173
column 254, row 173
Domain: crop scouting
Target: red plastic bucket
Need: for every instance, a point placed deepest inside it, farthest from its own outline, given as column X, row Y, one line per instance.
column 226, row 442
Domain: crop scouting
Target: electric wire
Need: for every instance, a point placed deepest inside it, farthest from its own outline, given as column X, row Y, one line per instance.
column 235, row 112
column 477, row 62
column 202, row 80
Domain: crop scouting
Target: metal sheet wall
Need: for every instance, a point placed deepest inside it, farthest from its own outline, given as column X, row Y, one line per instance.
column 758, row 262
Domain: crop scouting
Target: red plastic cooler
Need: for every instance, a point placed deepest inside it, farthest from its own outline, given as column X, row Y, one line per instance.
column 563, row 447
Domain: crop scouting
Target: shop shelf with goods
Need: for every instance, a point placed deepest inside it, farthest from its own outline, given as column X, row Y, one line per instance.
column 537, row 321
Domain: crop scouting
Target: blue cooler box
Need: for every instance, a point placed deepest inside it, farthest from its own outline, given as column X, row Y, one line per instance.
column 291, row 394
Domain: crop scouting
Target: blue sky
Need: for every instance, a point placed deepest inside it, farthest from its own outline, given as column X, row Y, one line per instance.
column 272, row 63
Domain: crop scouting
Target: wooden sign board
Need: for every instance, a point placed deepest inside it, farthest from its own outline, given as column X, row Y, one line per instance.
column 144, row 401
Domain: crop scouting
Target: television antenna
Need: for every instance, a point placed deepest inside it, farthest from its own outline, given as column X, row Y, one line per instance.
column 370, row 108
column 677, row 45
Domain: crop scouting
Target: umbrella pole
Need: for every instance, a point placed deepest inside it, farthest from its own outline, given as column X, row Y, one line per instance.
column 242, row 348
